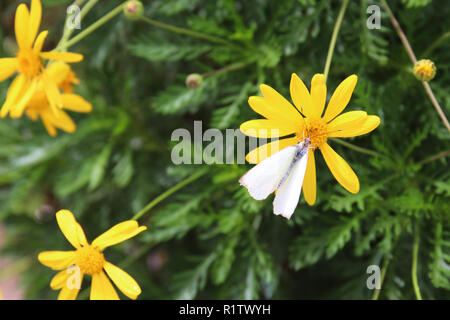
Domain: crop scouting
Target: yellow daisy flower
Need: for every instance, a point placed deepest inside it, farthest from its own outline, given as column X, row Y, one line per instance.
column 90, row 260
column 39, row 105
column 28, row 62
column 283, row 119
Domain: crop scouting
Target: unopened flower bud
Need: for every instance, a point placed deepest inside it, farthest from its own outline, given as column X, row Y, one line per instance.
column 133, row 10
column 194, row 80
column 424, row 70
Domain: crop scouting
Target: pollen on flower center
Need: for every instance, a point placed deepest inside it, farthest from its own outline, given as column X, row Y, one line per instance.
column 316, row 130
column 89, row 259
column 29, row 63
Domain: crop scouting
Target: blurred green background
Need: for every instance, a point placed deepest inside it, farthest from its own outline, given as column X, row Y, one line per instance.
column 210, row 239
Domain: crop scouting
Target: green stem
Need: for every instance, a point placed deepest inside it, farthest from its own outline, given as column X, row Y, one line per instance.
column 414, row 262
column 337, row 26
column 187, row 32
column 114, row 12
column 169, row 192
column 67, row 32
column 136, row 255
column 231, row 67
column 435, row 44
column 356, row 148
column 434, row 157
column 376, row 293
column 413, row 59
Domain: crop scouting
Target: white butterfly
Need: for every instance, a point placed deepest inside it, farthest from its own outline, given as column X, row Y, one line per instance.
column 284, row 171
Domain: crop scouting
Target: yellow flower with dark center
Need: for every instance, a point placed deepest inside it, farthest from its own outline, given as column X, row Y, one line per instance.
column 39, row 105
column 28, row 63
column 90, row 260
column 283, row 119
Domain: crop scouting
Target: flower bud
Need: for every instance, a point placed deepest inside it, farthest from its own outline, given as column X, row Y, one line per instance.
column 424, row 70
column 194, row 80
column 133, row 10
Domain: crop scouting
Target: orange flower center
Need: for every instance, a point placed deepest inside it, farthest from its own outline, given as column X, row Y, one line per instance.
column 29, row 63
column 316, row 130
column 89, row 259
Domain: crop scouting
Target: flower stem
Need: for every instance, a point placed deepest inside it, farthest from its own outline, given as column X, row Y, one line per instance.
column 231, row 67
column 434, row 157
column 356, row 148
column 67, row 32
column 169, row 192
column 414, row 262
column 187, row 32
column 413, row 58
column 114, row 12
column 436, row 44
column 337, row 26
column 376, row 293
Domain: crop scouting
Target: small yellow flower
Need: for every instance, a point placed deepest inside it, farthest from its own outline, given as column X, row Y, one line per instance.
column 28, row 63
column 283, row 119
column 39, row 105
column 90, row 260
column 424, row 70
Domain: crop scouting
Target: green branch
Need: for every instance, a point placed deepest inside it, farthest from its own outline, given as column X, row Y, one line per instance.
column 356, row 148
column 169, row 192
column 414, row 262
column 185, row 31
column 337, row 26
column 114, row 12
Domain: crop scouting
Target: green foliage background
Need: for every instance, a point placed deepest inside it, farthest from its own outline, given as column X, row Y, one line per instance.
column 210, row 239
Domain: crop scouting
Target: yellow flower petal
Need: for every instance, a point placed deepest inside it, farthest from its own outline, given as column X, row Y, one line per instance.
column 52, row 92
column 59, row 280
column 60, row 120
column 68, row 294
column 347, row 121
column 68, row 226
column 40, row 42
column 62, row 56
column 261, row 106
column 371, row 123
column 58, row 71
column 318, row 95
column 101, row 288
column 280, row 108
column 81, row 236
column 74, row 102
column 340, row 169
column 123, row 281
column 48, row 125
column 301, row 97
column 57, row 260
column 34, row 21
column 14, row 90
column 263, row 128
column 340, row 97
column 21, row 26
column 309, row 183
column 120, row 232
column 28, row 92
column 8, row 66
column 259, row 154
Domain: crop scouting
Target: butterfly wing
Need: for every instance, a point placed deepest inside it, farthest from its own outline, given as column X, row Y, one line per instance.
column 263, row 179
column 288, row 194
